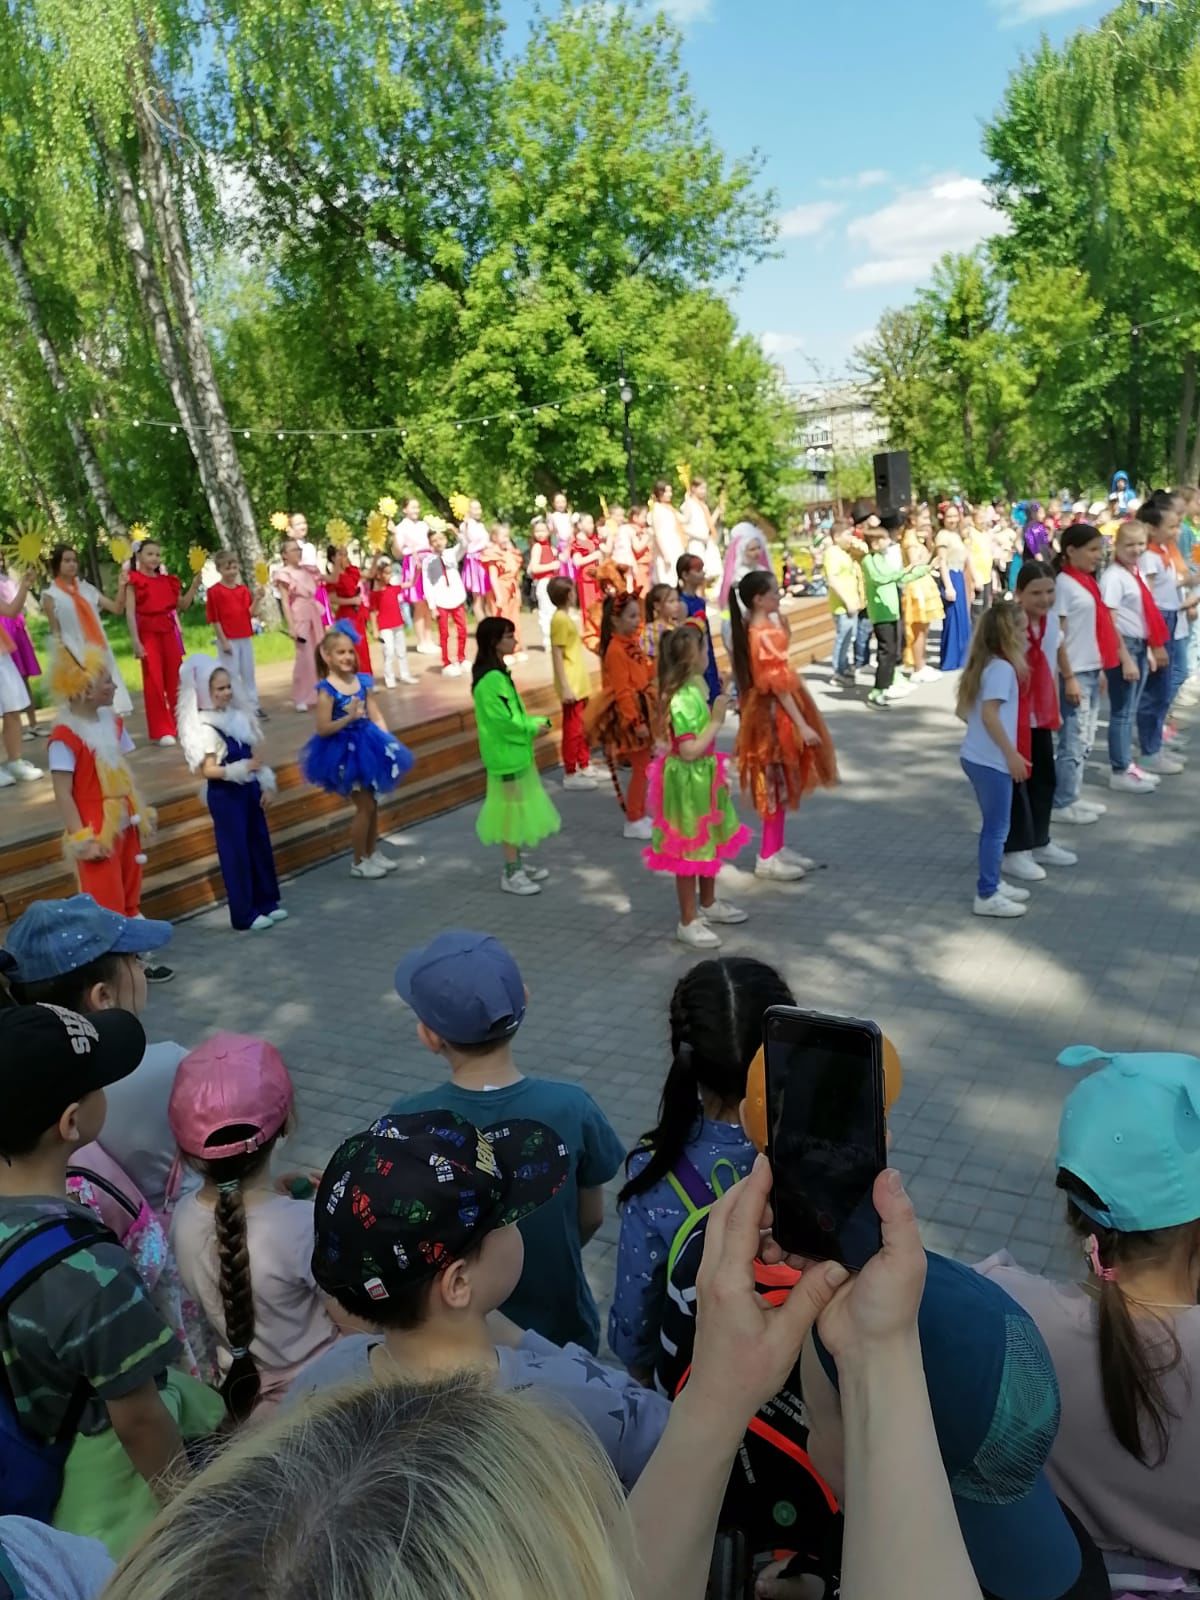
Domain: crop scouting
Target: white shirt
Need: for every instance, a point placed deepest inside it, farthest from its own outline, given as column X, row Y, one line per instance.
column 411, row 537
column 999, row 683
column 475, row 536
column 444, row 589
column 1077, row 614
column 667, row 541
column 1164, row 585
column 1123, row 594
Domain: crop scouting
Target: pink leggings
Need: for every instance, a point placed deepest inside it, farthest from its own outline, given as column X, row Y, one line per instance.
column 772, row 835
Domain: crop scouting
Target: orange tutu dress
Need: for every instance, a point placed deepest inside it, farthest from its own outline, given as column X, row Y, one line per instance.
column 624, row 706
column 775, row 768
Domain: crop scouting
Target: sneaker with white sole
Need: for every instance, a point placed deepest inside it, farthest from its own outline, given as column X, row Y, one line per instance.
column 878, row 699
column 1053, row 855
column 1131, row 782
column 579, row 781
column 643, row 828
column 1146, row 777
column 278, row 915
column 533, row 872
column 24, row 771
column 1098, row 806
column 452, row 669
column 385, row 862
column 899, row 690
column 1077, row 814
column 6, row 782
column 697, row 935
column 367, row 869
column 261, row 924
column 1163, row 762
column 998, row 905
column 797, row 860
column 1013, row 891
column 777, row 871
column 722, row 913
column 389, row 683
column 518, row 883
column 167, row 739
column 427, row 650
column 1020, row 864
column 407, row 677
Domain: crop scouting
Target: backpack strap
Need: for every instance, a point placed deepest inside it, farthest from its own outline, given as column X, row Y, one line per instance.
column 691, row 1188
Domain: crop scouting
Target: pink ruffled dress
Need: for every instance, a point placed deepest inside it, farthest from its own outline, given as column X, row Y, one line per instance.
column 695, row 825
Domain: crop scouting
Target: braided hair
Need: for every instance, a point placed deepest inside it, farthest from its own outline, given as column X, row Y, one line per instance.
column 716, row 1017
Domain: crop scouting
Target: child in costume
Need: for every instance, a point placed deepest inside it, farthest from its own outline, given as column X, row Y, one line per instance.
column 410, row 542
column 783, row 746
column 72, row 607
column 586, row 556
column 300, row 588
column 346, row 596
column 14, row 696
column 543, row 565
column 664, row 610
column 622, row 720
column 920, row 605
column 517, row 812
column 692, row 580
column 229, row 606
column 475, row 576
column 352, row 753
column 218, row 731
column 504, row 564
column 695, row 826
column 571, row 683
column 387, row 608
column 24, row 656
column 446, row 596
column 153, row 600
column 93, row 785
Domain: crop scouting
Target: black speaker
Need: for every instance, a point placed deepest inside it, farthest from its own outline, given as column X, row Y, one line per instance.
column 893, row 482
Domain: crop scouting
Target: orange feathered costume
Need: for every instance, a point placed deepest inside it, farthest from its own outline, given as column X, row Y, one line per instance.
column 775, row 768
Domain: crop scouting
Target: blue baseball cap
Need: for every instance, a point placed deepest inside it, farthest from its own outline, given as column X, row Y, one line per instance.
column 54, row 937
column 1131, row 1132
column 995, row 1402
column 464, row 986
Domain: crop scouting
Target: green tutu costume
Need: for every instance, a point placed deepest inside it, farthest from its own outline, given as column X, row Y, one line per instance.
column 696, row 828
column 516, row 810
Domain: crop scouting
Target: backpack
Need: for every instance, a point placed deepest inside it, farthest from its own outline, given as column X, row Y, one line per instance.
column 31, row 1469
column 697, row 1197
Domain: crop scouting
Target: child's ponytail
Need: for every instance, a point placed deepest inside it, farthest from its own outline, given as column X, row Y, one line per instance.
column 741, row 598
column 242, row 1384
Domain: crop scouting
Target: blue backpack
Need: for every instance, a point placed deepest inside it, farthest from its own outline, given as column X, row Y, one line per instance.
column 31, row 1470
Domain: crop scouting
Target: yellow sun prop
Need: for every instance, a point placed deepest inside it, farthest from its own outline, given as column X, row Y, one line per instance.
column 377, row 531
column 196, row 558
column 29, row 545
column 339, row 530
column 138, row 531
column 685, row 474
column 388, row 506
column 279, row 521
column 120, row 549
column 460, row 505
column 261, row 573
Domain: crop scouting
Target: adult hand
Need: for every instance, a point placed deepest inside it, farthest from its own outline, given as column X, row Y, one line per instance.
column 881, row 1302
column 1018, row 768
column 1072, row 691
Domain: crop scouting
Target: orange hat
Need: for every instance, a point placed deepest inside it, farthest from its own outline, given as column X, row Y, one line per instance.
column 756, row 1091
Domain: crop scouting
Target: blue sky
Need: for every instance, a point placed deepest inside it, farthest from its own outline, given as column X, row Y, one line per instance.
column 868, row 113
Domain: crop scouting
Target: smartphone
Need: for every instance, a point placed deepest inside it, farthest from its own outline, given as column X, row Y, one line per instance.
column 826, row 1134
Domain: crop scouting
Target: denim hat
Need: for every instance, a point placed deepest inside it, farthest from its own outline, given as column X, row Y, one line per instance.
column 464, row 986
column 1131, row 1132
column 54, row 937
column 995, row 1402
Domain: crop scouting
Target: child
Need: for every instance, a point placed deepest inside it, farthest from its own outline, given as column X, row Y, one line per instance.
column 1090, row 643
column 695, row 827
column 299, row 585
column 921, row 605
column 664, row 610
column 571, row 682
column 783, row 746
column 410, row 542
column 692, row 581
column 847, row 596
column 883, row 584
column 988, row 700
column 73, row 605
column 543, row 565
column 218, row 732
column 622, row 721
column 504, row 564
column 87, row 1359
column 517, row 812
column 23, row 654
column 586, row 556
column 153, row 601
column 469, row 1000
column 640, row 550
column 229, row 606
column 1141, row 648
column 14, row 695
column 698, row 1148
column 93, row 785
column 1167, row 576
column 1028, row 849
column 387, row 609
column 352, row 753
column 244, row 1249
column 447, row 599
column 346, row 596
column 474, row 571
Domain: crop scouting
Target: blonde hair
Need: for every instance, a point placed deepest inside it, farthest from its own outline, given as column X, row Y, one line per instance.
column 446, row 1491
column 1000, row 631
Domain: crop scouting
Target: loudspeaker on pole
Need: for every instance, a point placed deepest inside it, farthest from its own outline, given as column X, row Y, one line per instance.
column 893, row 482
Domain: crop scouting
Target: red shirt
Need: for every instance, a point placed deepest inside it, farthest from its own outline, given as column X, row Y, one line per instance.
column 229, row 605
column 154, row 593
column 385, row 603
column 347, row 590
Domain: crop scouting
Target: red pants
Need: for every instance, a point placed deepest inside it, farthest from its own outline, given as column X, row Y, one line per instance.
column 575, row 754
column 117, row 882
column 635, row 800
column 459, row 618
column 160, row 679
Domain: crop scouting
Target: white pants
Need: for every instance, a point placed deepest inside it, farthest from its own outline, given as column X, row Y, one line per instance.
column 395, row 649
column 545, row 608
column 14, row 696
column 240, row 661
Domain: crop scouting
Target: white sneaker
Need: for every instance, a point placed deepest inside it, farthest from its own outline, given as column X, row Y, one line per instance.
column 1053, row 855
column 367, row 869
column 642, row 829
column 1163, row 762
column 698, row 935
column 533, row 872
column 261, row 924
column 1022, row 865
column 1097, row 807
column 24, row 771
column 386, row 862
column 301, row 709
column 278, row 915
column 721, row 912
column 579, row 781
column 453, row 670
column 168, row 738
column 518, row 883
column 777, row 871
column 6, row 780
column 795, row 859
column 926, row 675
column 1131, row 782
column 389, row 683
column 1078, row 814
column 898, row 690
column 597, row 774
column 407, row 677
column 1012, row 891
column 1146, row 777
column 427, row 650
column 999, row 905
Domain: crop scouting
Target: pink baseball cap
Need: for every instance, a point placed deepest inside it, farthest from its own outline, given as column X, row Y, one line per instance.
column 231, row 1080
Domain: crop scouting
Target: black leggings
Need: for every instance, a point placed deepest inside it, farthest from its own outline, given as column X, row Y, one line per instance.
column 887, row 653
column 1033, row 800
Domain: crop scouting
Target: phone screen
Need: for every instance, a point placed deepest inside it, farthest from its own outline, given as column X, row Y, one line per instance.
column 825, row 1133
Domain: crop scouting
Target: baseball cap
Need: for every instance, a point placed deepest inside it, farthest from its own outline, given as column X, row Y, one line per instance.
column 231, row 1080
column 54, row 937
column 51, row 1057
column 464, row 986
column 413, row 1193
column 1131, row 1132
column 995, row 1402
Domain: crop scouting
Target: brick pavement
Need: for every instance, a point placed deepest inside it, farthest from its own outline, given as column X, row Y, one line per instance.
column 977, row 1008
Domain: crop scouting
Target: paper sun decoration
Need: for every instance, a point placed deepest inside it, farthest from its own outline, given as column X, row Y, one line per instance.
column 138, row 531
column 279, row 521
column 377, row 530
column 539, row 501
column 387, row 505
column 436, row 524
column 459, row 505
column 339, row 530
column 120, row 549
column 261, row 573
column 197, row 557
column 29, row 542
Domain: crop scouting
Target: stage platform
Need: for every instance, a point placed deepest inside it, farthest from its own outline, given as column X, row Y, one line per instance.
column 434, row 718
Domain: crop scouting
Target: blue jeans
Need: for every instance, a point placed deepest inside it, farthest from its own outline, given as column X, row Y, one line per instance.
column 845, row 631
column 1123, row 700
column 1156, row 698
column 862, row 640
column 1076, row 737
column 994, row 791
column 1177, row 652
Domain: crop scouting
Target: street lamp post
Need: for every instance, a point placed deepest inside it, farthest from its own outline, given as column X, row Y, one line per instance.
column 818, row 461
column 626, row 392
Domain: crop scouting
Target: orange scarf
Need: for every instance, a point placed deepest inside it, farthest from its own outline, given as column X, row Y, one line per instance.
column 88, row 620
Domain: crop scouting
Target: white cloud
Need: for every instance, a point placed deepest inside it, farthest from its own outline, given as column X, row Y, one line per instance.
column 804, row 222
column 780, row 344
column 871, row 178
column 1016, row 11
column 684, row 12
column 909, row 235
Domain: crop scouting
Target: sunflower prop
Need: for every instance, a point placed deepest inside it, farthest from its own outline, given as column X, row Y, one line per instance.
column 261, row 574
column 197, row 556
column 388, row 506
column 459, row 505
column 339, row 530
column 377, row 530
column 138, row 531
column 29, row 540
column 685, row 474
column 279, row 521
column 539, row 502
column 120, row 549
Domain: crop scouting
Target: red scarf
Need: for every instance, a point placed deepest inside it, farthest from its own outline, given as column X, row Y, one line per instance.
column 1107, row 642
column 1037, row 701
column 1156, row 628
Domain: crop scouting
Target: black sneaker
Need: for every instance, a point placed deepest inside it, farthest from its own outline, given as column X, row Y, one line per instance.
column 159, row 974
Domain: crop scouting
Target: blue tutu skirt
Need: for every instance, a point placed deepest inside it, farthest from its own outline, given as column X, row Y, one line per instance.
column 359, row 757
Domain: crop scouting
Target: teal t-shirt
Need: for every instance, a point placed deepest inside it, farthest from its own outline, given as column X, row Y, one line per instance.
column 553, row 1297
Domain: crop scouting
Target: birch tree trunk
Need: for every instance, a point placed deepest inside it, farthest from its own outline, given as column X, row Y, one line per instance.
column 10, row 248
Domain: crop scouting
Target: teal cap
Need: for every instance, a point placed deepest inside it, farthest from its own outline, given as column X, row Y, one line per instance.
column 1131, row 1132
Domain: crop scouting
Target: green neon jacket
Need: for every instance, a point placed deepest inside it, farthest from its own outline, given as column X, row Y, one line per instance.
column 506, row 730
